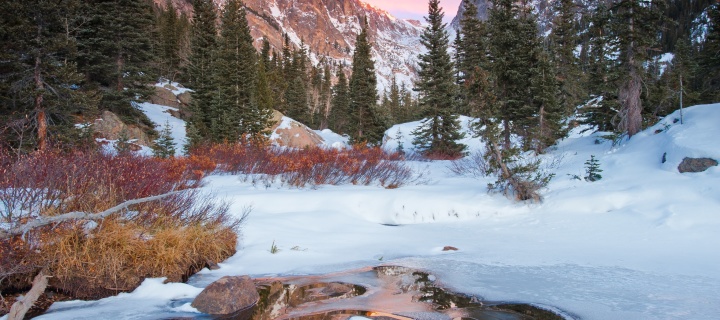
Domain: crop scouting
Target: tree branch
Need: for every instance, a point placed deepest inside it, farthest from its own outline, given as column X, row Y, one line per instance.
column 21, row 307
column 44, row 221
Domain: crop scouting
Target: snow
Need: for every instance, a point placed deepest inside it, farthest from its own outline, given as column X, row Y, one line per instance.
column 642, row 243
column 160, row 115
column 177, row 89
column 332, row 139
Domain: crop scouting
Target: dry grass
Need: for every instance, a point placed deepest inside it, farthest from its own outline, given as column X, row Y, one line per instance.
column 174, row 237
column 127, row 256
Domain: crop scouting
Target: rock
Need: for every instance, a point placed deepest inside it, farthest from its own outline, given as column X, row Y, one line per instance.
column 164, row 97
column 450, row 248
column 229, row 295
column 212, row 265
column 109, row 126
column 290, row 133
column 185, row 98
column 696, row 164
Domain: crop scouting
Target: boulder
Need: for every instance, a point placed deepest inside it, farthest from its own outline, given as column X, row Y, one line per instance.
column 290, row 133
column 185, row 98
column 109, row 126
column 696, row 164
column 449, row 248
column 227, row 296
column 164, row 97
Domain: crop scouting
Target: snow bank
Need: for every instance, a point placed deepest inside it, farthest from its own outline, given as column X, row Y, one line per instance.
column 160, row 115
column 642, row 243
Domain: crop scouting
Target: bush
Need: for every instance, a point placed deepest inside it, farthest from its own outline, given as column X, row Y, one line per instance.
column 173, row 237
column 308, row 167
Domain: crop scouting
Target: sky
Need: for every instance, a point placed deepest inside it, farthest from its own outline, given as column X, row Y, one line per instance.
column 415, row 9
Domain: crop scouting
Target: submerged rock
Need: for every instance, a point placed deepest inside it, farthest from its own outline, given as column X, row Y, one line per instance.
column 229, row 295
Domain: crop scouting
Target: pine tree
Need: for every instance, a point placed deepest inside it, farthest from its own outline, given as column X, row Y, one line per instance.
column 365, row 125
column 171, row 35
column 636, row 24
column 394, row 100
column 41, row 91
column 599, row 66
column 325, row 98
column 264, row 94
column 710, row 57
column 165, row 144
column 592, row 169
column 115, row 51
column 200, row 70
column 441, row 129
column 234, row 107
column 563, row 41
column 472, row 63
column 340, row 105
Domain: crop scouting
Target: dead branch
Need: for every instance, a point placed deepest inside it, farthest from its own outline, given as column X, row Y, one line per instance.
column 44, row 221
column 21, row 307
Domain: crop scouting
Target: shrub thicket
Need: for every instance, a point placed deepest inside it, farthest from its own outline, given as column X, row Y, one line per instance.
column 307, row 167
column 172, row 237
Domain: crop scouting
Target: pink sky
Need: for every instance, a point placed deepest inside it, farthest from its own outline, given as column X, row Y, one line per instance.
column 415, row 9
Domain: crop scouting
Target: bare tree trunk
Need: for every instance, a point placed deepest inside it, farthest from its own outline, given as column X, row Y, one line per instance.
column 631, row 115
column 39, row 98
column 506, row 134
column 21, row 307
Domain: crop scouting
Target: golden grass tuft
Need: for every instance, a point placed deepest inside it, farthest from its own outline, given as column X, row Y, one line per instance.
column 119, row 255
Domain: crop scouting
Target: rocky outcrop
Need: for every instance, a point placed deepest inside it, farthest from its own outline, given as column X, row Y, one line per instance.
column 164, row 97
column 287, row 132
column 696, row 164
column 328, row 29
column 110, row 127
column 227, row 296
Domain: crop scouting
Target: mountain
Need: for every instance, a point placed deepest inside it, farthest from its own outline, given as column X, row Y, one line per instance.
column 328, row 28
column 543, row 9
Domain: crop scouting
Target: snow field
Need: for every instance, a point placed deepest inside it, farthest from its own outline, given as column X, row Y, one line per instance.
column 642, row 243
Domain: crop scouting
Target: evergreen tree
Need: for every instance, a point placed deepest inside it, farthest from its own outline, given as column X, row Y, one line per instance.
column 592, row 169
column 41, row 91
column 511, row 52
column 600, row 79
column 115, row 51
column 165, row 144
column 200, row 70
column 365, row 125
column 441, row 129
column 234, row 107
column 710, row 57
column 264, row 93
column 325, row 98
column 340, row 105
column 171, row 36
column 394, row 100
column 563, row 41
column 473, row 65
column 637, row 24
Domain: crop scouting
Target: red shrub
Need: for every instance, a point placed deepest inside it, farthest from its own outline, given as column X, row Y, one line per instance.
column 309, row 166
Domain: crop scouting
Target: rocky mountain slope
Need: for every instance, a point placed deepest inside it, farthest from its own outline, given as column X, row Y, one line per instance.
column 328, row 28
column 543, row 8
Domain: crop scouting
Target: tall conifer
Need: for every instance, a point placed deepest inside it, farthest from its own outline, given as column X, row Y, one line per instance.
column 200, row 70
column 41, row 91
column 365, row 125
column 235, row 109
column 439, row 131
column 115, row 51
